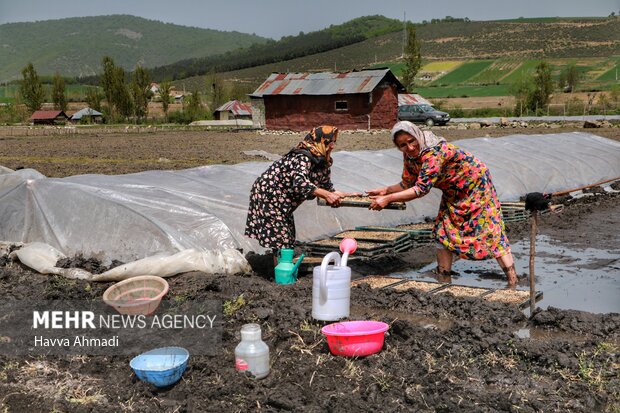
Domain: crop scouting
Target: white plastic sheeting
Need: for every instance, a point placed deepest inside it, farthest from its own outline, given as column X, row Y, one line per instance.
column 129, row 217
column 43, row 258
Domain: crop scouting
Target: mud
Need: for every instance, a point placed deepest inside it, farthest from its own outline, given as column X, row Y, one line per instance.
column 442, row 353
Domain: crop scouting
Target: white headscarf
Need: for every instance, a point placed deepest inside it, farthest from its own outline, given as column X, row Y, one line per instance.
column 426, row 139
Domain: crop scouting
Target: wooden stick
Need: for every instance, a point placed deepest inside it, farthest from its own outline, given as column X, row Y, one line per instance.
column 568, row 191
column 534, row 228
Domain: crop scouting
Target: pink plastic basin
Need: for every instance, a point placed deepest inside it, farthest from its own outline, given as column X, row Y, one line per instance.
column 355, row 338
column 136, row 295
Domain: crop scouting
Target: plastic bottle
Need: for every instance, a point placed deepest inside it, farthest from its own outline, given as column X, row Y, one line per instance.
column 252, row 354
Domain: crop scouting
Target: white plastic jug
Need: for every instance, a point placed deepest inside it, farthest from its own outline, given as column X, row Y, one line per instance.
column 331, row 289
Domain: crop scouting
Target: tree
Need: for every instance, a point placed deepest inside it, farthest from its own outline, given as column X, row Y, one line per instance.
column 59, row 96
column 164, row 92
column 93, row 98
column 569, row 78
column 542, row 87
column 115, row 89
column 521, row 90
column 140, row 84
column 413, row 58
column 216, row 91
column 194, row 105
column 107, row 81
column 31, row 88
column 122, row 96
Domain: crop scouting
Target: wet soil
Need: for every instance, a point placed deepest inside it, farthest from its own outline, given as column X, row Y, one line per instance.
column 441, row 354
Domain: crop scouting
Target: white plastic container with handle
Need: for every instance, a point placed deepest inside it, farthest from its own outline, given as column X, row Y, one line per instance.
column 331, row 285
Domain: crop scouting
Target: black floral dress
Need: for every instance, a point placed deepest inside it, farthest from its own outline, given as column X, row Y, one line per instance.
column 277, row 193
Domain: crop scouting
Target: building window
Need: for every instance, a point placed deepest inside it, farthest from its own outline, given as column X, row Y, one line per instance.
column 342, row 105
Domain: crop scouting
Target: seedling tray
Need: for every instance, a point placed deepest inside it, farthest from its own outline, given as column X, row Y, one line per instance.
column 361, row 202
column 377, row 281
column 375, row 236
column 424, row 286
column 334, row 245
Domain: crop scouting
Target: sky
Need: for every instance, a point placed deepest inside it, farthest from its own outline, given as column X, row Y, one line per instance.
column 277, row 18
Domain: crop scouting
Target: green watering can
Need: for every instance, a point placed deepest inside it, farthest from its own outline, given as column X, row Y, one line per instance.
column 286, row 271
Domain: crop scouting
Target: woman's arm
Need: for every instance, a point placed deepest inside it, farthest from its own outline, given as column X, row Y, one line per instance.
column 387, row 189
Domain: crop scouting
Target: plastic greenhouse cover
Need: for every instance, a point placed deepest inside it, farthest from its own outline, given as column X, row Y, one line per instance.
column 129, row 217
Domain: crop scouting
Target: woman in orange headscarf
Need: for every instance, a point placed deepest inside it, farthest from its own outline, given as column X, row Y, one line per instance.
column 303, row 173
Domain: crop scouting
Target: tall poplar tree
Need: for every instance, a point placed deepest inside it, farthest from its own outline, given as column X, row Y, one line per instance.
column 164, row 92
column 59, row 95
column 140, row 83
column 31, row 88
column 413, row 57
column 542, row 87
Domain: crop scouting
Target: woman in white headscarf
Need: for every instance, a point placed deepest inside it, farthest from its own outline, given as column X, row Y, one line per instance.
column 469, row 222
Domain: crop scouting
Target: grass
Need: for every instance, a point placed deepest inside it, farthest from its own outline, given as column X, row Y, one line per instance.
column 234, row 305
column 464, row 72
column 527, row 68
column 612, row 74
column 495, row 72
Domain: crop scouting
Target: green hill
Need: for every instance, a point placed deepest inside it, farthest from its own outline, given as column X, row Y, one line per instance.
column 75, row 46
column 287, row 48
column 513, row 41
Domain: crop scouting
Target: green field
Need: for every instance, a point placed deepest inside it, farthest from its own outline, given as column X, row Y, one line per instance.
column 463, row 72
column 527, row 68
column 10, row 93
column 613, row 74
column 495, row 72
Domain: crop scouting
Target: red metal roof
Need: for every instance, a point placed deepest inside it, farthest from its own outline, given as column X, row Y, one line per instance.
column 47, row 114
column 411, row 98
column 326, row 83
column 236, row 107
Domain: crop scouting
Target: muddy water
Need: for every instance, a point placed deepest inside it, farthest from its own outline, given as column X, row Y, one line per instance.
column 573, row 278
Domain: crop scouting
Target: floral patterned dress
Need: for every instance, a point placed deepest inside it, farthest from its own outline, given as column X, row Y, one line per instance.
column 470, row 221
column 277, row 193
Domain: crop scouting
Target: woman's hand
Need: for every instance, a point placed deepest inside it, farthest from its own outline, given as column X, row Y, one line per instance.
column 379, row 202
column 378, row 191
column 332, row 198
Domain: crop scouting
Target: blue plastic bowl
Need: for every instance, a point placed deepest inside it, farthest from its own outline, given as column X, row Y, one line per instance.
column 161, row 367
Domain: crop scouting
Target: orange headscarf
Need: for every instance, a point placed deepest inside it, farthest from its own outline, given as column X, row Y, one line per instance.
column 317, row 142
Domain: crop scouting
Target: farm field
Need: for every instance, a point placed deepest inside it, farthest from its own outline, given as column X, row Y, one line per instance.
column 495, row 77
column 463, row 72
column 442, row 352
column 115, row 151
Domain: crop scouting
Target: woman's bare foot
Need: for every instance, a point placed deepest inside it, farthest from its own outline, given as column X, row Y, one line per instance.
column 511, row 275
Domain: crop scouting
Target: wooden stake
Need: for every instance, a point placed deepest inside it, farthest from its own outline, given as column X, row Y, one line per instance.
column 534, row 228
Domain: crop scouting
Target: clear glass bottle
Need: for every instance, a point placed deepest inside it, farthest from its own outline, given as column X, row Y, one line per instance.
column 252, row 354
